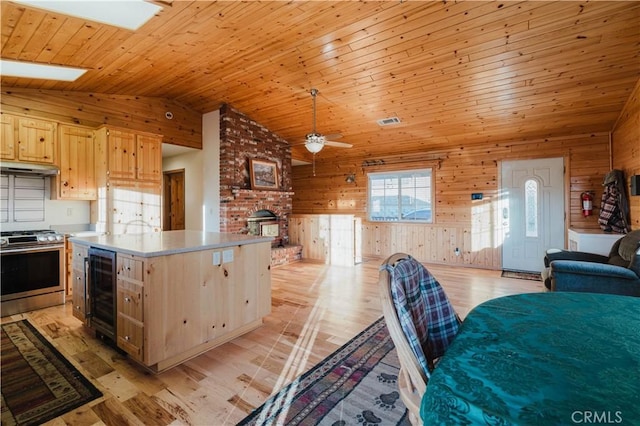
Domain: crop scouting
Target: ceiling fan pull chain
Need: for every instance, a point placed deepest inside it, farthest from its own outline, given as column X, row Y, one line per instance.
column 314, row 164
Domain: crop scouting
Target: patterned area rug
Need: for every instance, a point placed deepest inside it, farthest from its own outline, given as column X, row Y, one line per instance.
column 522, row 275
column 38, row 383
column 357, row 384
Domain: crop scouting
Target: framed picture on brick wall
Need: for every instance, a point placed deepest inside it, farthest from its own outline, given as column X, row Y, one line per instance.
column 264, row 174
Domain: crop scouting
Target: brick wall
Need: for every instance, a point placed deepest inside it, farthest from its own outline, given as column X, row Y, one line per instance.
column 242, row 139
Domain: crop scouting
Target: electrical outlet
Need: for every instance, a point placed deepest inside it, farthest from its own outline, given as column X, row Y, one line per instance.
column 227, row 256
column 216, row 258
column 457, row 251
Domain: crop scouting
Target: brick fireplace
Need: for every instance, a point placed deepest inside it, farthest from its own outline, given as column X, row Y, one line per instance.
column 242, row 139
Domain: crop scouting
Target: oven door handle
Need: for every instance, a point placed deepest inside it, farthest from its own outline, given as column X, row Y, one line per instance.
column 87, row 283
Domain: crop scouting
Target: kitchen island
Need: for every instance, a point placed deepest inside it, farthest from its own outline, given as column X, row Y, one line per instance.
column 175, row 294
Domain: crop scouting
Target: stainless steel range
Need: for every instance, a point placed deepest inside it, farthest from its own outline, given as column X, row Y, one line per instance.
column 33, row 270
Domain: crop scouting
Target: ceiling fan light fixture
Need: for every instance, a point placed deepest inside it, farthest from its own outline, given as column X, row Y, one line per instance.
column 314, row 143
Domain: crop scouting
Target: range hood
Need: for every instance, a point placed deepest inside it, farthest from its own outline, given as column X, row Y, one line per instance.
column 15, row 168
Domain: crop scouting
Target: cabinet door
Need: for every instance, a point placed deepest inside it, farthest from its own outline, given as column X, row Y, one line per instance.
column 36, row 141
column 130, row 336
column 8, row 137
column 80, row 292
column 79, row 296
column 149, row 158
column 121, row 153
column 77, row 179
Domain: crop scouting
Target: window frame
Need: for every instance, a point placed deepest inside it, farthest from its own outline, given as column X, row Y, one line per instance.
column 399, row 175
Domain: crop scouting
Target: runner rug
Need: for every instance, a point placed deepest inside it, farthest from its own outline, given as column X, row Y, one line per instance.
column 357, row 384
column 38, row 383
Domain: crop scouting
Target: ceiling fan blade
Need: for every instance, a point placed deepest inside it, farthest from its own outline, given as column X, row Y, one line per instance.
column 333, row 136
column 338, row 144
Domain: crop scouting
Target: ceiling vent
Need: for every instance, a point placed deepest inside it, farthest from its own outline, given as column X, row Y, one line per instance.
column 388, row 121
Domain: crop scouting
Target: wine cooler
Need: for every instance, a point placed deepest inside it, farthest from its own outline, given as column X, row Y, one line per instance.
column 102, row 292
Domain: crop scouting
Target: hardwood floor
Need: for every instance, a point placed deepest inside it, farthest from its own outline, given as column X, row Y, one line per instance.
column 315, row 309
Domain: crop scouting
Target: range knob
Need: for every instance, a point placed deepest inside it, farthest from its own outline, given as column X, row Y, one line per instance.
column 42, row 238
column 59, row 237
column 51, row 238
column 3, row 241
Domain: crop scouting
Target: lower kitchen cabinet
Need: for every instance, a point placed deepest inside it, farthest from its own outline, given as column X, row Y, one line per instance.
column 129, row 305
column 80, row 294
column 174, row 306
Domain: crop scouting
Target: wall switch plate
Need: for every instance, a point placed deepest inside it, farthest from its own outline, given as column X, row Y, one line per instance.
column 227, row 256
column 216, row 258
column 476, row 196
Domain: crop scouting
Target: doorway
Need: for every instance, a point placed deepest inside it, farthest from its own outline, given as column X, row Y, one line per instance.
column 173, row 214
column 532, row 211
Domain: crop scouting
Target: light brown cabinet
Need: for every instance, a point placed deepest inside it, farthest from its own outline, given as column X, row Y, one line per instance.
column 80, row 294
column 173, row 307
column 129, row 167
column 28, row 140
column 131, row 155
column 129, row 305
column 148, row 157
column 194, row 305
column 77, row 178
column 36, row 141
column 8, row 139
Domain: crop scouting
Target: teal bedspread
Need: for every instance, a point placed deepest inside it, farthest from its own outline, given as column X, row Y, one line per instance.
column 541, row 359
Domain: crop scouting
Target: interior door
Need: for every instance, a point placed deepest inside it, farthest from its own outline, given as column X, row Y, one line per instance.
column 173, row 198
column 532, row 211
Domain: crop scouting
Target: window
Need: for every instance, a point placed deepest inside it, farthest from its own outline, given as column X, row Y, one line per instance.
column 401, row 196
column 531, row 207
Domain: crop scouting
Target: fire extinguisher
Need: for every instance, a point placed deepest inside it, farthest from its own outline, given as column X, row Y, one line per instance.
column 587, row 203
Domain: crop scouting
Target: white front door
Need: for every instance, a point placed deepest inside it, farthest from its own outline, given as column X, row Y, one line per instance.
column 532, row 212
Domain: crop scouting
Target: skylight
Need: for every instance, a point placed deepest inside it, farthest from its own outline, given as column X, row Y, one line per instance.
column 129, row 14
column 39, row 71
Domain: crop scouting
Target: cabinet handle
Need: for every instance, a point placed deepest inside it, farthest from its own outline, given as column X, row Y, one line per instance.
column 127, row 338
column 41, row 139
column 127, row 299
column 65, row 183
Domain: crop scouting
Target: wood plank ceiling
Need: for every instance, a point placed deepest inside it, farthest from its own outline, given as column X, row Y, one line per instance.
column 454, row 73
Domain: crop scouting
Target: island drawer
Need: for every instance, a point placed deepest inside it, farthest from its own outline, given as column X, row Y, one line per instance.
column 79, row 254
column 130, row 267
column 130, row 336
column 129, row 300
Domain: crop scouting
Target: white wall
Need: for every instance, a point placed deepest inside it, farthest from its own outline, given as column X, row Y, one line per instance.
column 211, row 171
column 193, row 193
column 202, row 177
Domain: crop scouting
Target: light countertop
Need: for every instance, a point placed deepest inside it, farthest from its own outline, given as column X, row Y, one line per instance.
column 168, row 242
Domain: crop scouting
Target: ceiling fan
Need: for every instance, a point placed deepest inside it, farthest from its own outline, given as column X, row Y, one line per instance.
column 314, row 141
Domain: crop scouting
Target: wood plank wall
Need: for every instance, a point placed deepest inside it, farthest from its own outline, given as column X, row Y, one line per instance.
column 143, row 114
column 626, row 149
column 459, row 222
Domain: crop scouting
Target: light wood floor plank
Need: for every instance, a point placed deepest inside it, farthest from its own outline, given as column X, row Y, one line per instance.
column 316, row 308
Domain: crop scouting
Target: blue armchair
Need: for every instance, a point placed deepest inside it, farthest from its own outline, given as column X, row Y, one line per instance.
column 618, row 273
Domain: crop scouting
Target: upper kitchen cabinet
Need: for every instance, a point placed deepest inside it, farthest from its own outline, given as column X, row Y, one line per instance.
column 36, row 141
column 8, row 143
column 131, row 155
column 149, row 157
column 77, row 179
